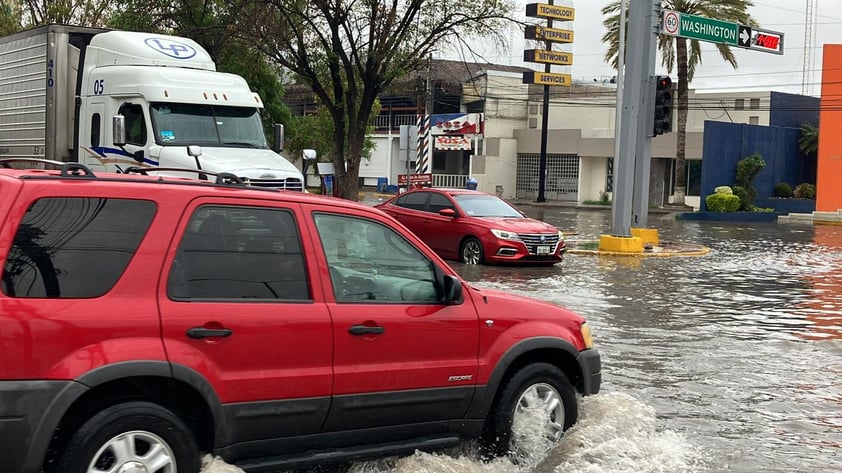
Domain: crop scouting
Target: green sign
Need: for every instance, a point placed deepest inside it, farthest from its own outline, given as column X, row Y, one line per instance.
column 700, row 28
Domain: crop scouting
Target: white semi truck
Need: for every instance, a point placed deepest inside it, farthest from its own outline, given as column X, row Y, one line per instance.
column 117, row 99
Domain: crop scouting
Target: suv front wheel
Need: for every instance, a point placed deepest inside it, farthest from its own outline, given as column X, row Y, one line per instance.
column 133, row 436
column 537, row 405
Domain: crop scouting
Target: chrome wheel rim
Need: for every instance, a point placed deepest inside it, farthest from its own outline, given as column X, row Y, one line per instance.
column 134, row 452
column 538, row 418
column 471, row 253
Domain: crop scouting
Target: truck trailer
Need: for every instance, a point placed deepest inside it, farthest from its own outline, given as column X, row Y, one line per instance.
column 117, row 99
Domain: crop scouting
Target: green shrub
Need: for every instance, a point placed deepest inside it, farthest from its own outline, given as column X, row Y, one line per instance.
column 723, row 190
column 805, row 191
column 740, row 192
column 747, row 169
column 721, row 202
column 782, row 189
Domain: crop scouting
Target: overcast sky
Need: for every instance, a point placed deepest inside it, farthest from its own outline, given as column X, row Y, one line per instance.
column 757, row 70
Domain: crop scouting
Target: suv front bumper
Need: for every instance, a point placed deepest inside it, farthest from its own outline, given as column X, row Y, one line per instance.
column 590, row 365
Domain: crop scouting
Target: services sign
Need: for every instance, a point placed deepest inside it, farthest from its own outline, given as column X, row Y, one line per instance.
column 547, row 78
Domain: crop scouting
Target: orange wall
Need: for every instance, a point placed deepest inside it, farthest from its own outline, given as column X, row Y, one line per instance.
column 829, row 172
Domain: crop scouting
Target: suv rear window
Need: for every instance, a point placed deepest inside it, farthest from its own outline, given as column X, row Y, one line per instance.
column 243, row 253
column 74, row 247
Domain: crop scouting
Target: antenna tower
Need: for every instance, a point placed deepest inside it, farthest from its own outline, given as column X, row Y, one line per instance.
column 809, row 44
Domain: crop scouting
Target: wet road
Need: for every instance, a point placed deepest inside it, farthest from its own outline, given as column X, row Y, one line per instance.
column 728, row 362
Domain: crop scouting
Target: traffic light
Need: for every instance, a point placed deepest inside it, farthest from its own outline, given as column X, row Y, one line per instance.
column 663, row 105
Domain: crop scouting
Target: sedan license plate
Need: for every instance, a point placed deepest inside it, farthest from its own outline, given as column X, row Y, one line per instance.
column 542, row 250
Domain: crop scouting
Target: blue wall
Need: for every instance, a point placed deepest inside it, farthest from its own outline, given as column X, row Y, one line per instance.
column 791, row 110
column 727, row 143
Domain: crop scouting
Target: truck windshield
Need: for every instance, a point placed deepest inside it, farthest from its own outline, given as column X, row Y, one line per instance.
column 207, row 125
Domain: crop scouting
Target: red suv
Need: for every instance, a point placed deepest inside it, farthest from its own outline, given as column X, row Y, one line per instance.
column 476, row 227
column 147, row 320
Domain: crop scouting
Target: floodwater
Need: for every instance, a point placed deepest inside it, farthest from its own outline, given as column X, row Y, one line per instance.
column 728, row 362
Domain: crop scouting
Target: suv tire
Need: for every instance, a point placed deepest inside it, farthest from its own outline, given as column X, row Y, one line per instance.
column 510, row 429
column 133, row 433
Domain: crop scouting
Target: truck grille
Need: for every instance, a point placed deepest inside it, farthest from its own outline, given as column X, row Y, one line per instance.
column 290, row 183
column 532, row 241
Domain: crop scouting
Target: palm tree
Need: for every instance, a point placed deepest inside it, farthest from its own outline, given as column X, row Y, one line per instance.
column 809, row 140
column 681, row 54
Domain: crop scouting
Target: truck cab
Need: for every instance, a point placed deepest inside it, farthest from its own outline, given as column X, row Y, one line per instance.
column 172, row 97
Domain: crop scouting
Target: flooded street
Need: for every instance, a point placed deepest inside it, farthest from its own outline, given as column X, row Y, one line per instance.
column 728, row 362
column 738, row 353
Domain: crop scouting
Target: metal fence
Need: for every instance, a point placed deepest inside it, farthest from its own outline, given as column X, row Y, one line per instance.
column 562, row 181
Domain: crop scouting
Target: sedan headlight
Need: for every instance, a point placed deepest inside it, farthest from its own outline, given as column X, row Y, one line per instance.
column 504, row 235
column 586, row 335
column 560, row 235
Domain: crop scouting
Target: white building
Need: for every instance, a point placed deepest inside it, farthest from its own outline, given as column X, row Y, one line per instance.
column 580, row 139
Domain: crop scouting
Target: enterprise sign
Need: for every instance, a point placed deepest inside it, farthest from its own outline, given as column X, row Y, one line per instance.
column 555, row 35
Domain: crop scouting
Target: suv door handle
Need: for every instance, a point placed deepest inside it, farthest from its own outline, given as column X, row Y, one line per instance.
column 202, row 332
column 365, row 330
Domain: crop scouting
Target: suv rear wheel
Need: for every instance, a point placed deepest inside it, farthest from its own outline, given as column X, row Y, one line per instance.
column 129, row 437
column 537, row 405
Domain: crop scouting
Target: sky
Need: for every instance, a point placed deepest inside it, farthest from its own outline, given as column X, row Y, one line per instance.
column 757, row 71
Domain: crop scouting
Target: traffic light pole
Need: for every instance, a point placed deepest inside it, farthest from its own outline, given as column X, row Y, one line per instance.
column 632, row 163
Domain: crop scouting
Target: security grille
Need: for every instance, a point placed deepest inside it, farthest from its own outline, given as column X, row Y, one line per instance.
column 562, row 176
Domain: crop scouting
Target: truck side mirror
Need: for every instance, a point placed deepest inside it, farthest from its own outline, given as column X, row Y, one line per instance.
column 118, row 130
column 278, row 146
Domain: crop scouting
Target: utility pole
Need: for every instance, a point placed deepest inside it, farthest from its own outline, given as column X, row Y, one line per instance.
column 635, row 129
column 545, row 123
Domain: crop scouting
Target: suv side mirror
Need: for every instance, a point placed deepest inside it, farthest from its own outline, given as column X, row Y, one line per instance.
column 452, row 290
column 447, row 213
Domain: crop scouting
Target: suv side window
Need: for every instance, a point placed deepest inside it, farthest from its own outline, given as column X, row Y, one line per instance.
column 375, row 265
column 414, row 201
column 439, row 202
column 74, row 247
column 240, row 253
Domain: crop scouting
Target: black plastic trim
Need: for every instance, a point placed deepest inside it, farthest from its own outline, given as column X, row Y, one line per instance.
column 485, row 397
column 590, row 364
column 255, row 421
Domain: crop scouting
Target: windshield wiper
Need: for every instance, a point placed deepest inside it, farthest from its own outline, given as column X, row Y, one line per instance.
column 241, row 143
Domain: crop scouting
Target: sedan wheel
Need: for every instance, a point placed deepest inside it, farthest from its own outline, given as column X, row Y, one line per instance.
column 471, row 252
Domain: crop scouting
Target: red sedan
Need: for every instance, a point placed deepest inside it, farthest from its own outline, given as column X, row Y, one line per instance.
column 475, row 227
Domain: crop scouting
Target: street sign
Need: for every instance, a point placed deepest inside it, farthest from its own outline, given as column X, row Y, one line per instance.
column 554, row 35
column 768, row 41
column 555, row 12
column 547, row 78
column 548, row 57
column 699, row 27
column 676, row 23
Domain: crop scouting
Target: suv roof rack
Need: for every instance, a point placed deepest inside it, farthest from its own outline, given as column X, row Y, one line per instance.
column 67, row 169
column 222, row 178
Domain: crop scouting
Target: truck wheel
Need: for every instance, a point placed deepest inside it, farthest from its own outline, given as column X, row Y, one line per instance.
column 132, row 437
column 534, row 409
column 471, row 251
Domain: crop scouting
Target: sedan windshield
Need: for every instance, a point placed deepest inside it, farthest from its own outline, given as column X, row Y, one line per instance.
column 480, row 205
column 206, row 125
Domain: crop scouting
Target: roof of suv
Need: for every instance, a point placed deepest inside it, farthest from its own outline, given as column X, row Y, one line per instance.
column 137, row 177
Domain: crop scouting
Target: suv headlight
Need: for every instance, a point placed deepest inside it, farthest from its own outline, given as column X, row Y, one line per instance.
column 504, row 235
column 586, row 335
column 560, row 236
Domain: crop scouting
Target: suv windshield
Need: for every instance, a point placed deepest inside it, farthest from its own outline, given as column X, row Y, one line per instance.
column 206, row 125
column 478, row 205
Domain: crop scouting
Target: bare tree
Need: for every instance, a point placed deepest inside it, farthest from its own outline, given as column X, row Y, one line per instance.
column 349, row 51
